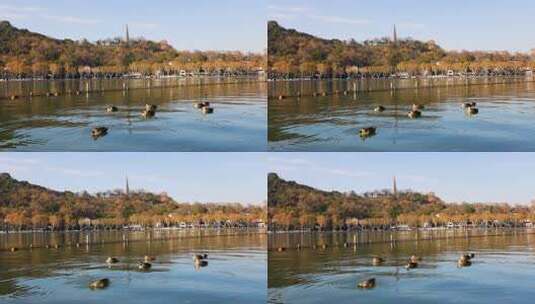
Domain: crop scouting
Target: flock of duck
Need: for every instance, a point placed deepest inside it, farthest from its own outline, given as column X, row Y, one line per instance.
column 415, row 112
column 464, row 260
column 199, row 260
column 148, row 112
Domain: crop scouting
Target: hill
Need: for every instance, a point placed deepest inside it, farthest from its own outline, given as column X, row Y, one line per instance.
column 26, row 206
column 296, row 54
column 28, row 54
column 292, row 205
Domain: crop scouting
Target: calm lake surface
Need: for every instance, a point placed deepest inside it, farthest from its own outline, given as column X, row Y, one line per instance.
column 236, row 270
column 332, row 122
column 64, row 123
column 503, row 270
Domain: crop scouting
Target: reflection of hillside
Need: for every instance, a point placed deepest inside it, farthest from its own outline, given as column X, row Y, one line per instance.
column 389, row 87
column 91, row 88
column 64, row 119
column 290, row 110
column 45, row 263
column 334, row 120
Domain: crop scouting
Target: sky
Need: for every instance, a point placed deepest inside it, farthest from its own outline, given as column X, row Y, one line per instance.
column 241, row 177
column 187, row 177
column 186, row 24
column 454, row 177
column 453, row 24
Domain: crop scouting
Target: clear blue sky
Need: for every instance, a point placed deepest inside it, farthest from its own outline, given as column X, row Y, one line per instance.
column 454, row 24
column 455, row 177
column 186, row 24
column 187, row 177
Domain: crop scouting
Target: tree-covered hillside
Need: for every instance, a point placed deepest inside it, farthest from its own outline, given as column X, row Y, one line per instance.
column 25, row 206
column 292, row 205
column 27, row 54
column 295, row 54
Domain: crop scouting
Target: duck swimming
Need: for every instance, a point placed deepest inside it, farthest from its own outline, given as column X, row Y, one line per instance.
column 200, row 256
column 207, row 110
column 379, row 109
column 472, row 110
column 99, row 284
column 367, row 132
column 150, row 107
column 469, row 105
column 148, row 113
column 464, row 261
column 416, row 107
column 200, row 260
column 200, row 263
column 369, row 283
column 201, row 105
column 144, row 266
column 99, row 132
column 415, row 259
column 414, row 114
column 112, row 260
column 468, row 256
column 377, row 261
column 411, row 265
column 112, row 109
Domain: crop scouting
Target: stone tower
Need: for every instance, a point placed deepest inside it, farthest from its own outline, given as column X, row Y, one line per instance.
column 127, row 36
column 394, row 187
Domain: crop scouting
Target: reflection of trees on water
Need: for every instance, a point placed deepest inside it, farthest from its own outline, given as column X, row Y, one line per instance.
column 285, row 267
column 95, row 86
column 321, row 107
column 45, row 263
column 53, row 115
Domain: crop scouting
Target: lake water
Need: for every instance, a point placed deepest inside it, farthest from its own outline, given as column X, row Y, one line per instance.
column 503, row 270
column 236, row 270
column 64, row 123
column 332, row 122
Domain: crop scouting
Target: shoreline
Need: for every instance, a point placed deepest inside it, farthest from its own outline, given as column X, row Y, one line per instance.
column 358, row 242
column 356, row 86
column 84, row 85
column 8, row 80
column 82, row 243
